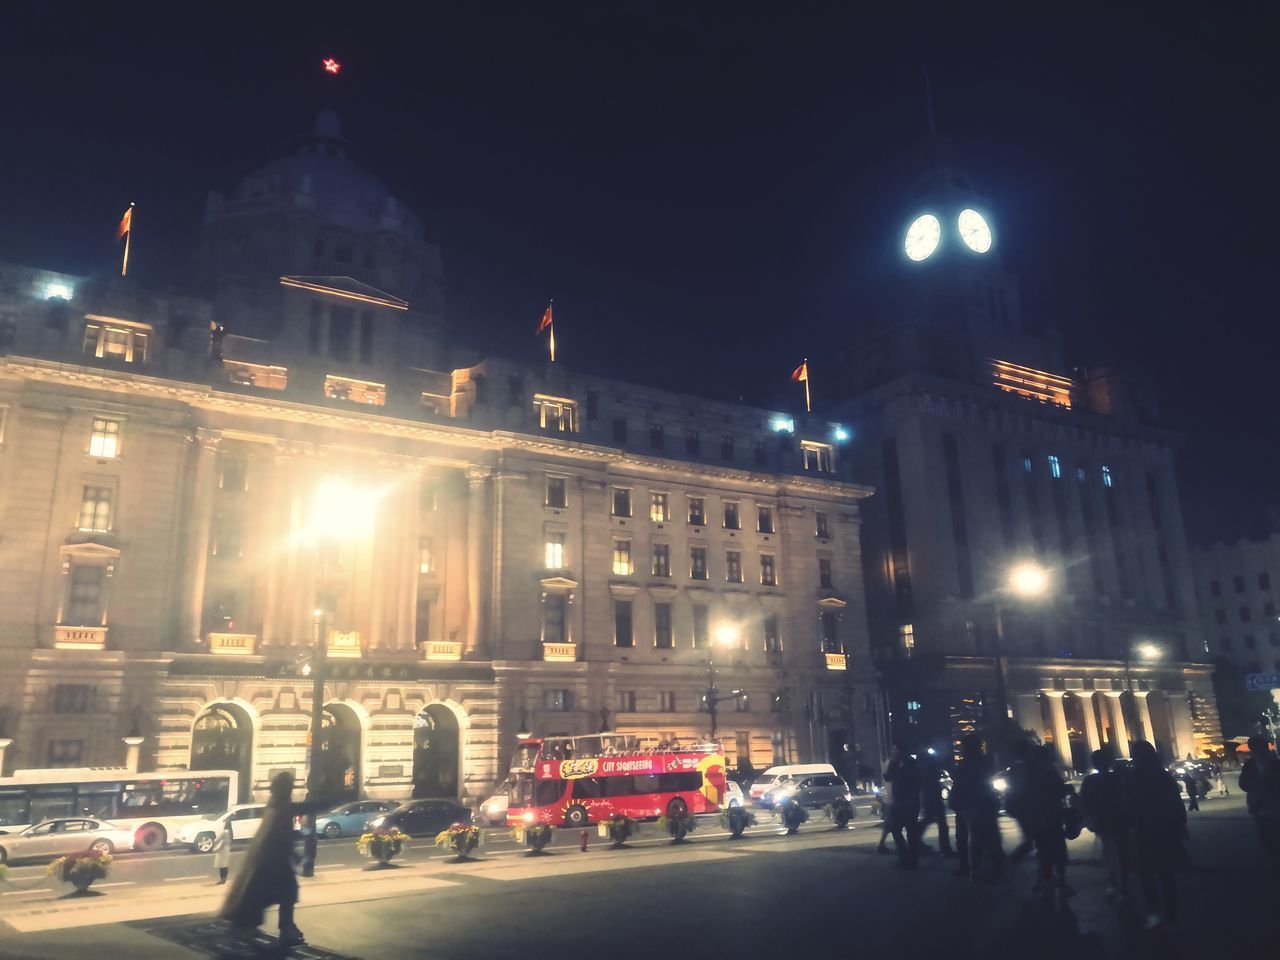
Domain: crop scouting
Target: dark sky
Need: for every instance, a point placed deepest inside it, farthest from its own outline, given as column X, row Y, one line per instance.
column 703, row 186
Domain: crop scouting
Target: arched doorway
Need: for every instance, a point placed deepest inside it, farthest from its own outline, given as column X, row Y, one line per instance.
column 338, row 770
column 222, row 739
column 435, row 752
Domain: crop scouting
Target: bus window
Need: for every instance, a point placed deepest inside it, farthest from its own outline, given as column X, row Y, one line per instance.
column 548, row 792
column 49, row 802
column 621, row 786
column 521, row 792
column 646, row 783
column 210, row 795
column 679, row 782
column 591, row 788
column 14, row 805
column 100, row 800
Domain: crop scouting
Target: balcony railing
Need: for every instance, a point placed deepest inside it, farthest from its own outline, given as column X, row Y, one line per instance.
column 559, row 652
column 835, row 661
column 344, row 645
column 444, row 649
column 80, row 638
column 233, row 644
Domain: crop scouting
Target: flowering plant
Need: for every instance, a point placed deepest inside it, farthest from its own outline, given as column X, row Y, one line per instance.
column 677, row 827
column 736, row 820
column 381, row 843
column 80, row 868
column 462, row 837
column 536, row 835
column 620, row 828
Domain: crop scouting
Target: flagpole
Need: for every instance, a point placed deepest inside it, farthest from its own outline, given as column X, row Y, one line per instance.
column 124, row 267
column 551, row 304
column 807, row 408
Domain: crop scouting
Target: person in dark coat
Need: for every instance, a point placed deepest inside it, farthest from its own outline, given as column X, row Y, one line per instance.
column 977, row 807
column 1260, row 781
column 1102, row 802
column 1158, row 822
column 1042, row 810
column 1193, row 790
column 931, row 802
column 1015, row 796
column 903, row 776
column 267, row 876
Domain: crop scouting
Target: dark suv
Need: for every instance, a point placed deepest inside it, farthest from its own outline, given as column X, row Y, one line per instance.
column 816, row 790
column 423, row 818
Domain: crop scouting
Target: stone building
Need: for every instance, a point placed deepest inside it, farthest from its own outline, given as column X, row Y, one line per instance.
column 1235, row 587
column 197, row 491
column 988, row 453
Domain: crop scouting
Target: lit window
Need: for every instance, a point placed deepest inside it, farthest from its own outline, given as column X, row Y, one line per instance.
column 1026, row 464
column 907, row 636
column 560, row 701
column 425, row 564
column 830, row 621
column 1031, row 383
column 355, row 391
column 913, row 712
column 764, row 520
column 1106, row 476
column 95, row 509
column 557, row 492
column 697, row 563
column 118, row 340
column 659, row 507
column 555, row 414
column 820, row 526
column 261, row 375
column 1055, row 468
column 733, row 566
column 818, row 457
column 661, row 560
column 701, row 625
column 824, row 574
column 622, row 636
column 663, row 636
column 768, row 572
column 697, row 512
column 554, row 551
column 772, row 638
column 622, row 565
column 1081, row 474
column 731, row 519
column 621, row 502
column 104, row 442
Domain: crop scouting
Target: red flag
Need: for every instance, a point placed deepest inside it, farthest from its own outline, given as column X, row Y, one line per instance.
column 545, row 321
column 801, row 372
column 126, row 223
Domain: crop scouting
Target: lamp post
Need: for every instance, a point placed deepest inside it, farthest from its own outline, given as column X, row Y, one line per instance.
column 1148, row 651
column 316, row 667
column 726, row 635
column 1025, row 581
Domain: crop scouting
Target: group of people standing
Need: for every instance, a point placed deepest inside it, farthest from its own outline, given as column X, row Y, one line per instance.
column 1133, row 806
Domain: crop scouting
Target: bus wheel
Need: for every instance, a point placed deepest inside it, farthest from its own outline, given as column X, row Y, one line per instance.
column 149, row 836
column 677, row 809
column 576, row 816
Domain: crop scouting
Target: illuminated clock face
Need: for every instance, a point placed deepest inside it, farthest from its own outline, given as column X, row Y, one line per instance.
column 974, row 231
column 923, row 236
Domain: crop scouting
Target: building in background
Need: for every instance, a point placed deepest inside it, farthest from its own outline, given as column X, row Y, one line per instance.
column 994, row 461
column 196, row 490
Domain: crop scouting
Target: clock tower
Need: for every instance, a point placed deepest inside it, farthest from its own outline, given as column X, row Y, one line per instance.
column 946, row 305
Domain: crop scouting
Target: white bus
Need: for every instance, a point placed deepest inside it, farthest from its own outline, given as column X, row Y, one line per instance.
column 153, row 805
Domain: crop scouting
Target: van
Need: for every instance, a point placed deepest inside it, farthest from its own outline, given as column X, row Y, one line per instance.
column 775, row 776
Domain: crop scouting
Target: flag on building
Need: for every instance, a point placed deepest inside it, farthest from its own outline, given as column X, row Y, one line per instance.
column 125, row 230
column 801, row 375
column 546, row 323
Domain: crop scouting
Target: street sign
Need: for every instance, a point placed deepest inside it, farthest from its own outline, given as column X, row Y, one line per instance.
column 1261, row 682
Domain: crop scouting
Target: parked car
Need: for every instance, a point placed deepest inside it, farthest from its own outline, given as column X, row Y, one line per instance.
column 423, row 818
column 776, row 776
column 200, row 835
column 813, row 791
column 54, row 838
column 733, row 796
column 351, row 819
column 493, row 811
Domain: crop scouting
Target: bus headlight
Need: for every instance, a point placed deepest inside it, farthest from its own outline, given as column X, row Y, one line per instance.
column 528, row 817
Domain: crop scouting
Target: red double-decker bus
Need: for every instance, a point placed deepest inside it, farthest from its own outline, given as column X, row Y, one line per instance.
column 573, row 781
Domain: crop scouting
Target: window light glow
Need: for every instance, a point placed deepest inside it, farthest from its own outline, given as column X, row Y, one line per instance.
column 57, row 291
column 782, row 425
column 1031, row 383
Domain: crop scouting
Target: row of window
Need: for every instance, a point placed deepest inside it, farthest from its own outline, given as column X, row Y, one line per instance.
column 660, row 562
column 1055, row 470
column 1250, row 642
column 1246, row 613
column 1238, row 584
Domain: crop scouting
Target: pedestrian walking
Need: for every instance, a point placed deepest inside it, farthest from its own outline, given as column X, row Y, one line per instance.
column 1015, row 794
column 932, row 806
column 886, row 809
column 1043, row 805
column 1260, row 781
column 1220, row 782
column 222, row 851
column 904, row 775
column 266, row 877
column 1193, row 790
column 977, row 807
column 1102, row 802
column 1158, row 822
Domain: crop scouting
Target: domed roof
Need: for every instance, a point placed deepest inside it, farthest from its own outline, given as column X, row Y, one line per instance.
column 324, row 177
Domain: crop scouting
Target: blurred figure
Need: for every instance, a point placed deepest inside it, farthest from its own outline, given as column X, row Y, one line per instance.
column 1220, row 781
column 1102, row 802
column 931, row 803
column 886, row 807
column 1260, row 781
column 1159, row 824
column 1193, row 789
column 222, row 851
column 904, row 775
column 1014, row 798
column 267, row 876
column 977, row 807
column 1042, row 810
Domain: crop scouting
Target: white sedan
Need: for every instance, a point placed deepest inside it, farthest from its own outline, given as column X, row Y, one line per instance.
column 54, row 838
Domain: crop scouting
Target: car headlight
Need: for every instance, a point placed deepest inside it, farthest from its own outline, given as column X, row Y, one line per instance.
column 377, row 821
column 1001, row 784
column 848, row 796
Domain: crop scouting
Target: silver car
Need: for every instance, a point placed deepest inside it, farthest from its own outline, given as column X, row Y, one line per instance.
column 55, row 838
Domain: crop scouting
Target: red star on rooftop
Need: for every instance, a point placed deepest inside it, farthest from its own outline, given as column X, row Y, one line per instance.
column 331, row 65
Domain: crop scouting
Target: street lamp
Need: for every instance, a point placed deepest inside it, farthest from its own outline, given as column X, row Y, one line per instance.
column 341, row 514
column 1024, row 582
column 725, row 635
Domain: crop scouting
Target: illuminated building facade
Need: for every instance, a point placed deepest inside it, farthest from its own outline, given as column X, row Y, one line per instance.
column 194, row 490
column 987, row 451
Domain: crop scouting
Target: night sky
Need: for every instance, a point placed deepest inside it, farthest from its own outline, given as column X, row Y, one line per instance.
column 703, row 187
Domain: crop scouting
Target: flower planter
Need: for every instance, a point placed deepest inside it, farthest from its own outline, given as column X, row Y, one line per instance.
column 619, row 830
column 81, row 869
column 537, row 837
column 462, row 838
column 839, row 813
column 381, row 846
column 677, row 827
column 736, row 820
column 792, row 816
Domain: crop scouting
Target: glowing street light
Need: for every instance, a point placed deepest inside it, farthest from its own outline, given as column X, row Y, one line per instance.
column 1148, row 651
column 342, row 511
column 727, row 634
column 1028, row 580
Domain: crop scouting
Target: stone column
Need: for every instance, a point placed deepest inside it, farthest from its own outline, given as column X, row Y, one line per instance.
column 134, row 743
column 1145, row 730
column 1090, row 721
column 5, row 744
column 1118, row 723
column 1184, row 740
column 479, row 525
column 1026, row 709
column 199, row 520
column 278, row 548
column 1061, row 736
